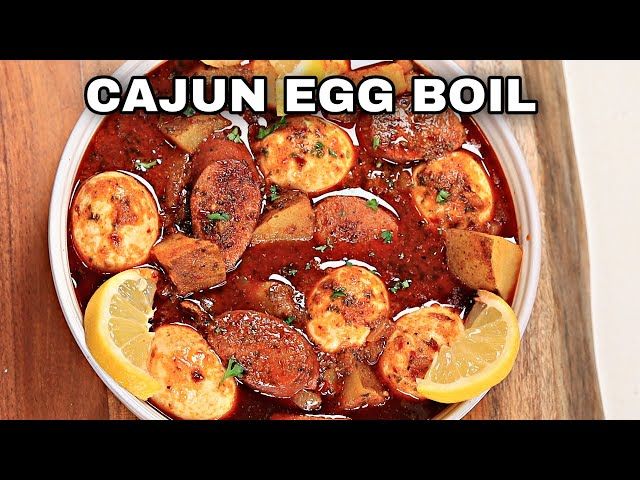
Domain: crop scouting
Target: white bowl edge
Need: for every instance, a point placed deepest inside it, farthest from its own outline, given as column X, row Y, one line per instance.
column 493, row 126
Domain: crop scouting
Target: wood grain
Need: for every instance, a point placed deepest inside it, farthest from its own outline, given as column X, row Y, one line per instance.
column 43, row 373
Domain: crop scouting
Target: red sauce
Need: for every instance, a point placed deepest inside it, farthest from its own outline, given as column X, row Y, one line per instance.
column 416, row 254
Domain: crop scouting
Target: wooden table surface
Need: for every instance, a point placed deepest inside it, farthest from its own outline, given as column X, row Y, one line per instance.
column 43, row 373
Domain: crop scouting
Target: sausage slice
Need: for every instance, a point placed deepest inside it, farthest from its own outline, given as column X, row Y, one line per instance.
column 349, row 219
column 405, row 136
column 225, row 206
column 277, row 359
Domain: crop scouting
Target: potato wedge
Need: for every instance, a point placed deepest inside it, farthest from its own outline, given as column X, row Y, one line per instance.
column 189, row 132
column 483, row 261
column 191, row 264
column 290, row 218
column 362, row 388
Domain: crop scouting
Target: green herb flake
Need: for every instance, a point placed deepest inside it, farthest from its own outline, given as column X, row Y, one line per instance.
column 189, row 111
column 332, row 152
column 266, row 131
column 321, row 248
column 290, row 272
column 372, row 204
column 219, row 217
column 318, row 149
column 400, row 285
column 378, row 163
column 348, row 263
column 375, row 143
column 307, row 266
column 387, row 236
column 234, row 136
column 338, row 293
column 442, row 196
column 274, row 195
column 289, row 320
column 144, row 166
column 234, row 369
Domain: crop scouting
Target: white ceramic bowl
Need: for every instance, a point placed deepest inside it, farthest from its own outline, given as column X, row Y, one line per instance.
column 494, row 127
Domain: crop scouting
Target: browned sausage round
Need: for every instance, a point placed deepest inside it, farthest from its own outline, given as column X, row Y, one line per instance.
column 225, row 205
column 349, row 219
column 277, row 359
column 404, row 136
column 217, row 147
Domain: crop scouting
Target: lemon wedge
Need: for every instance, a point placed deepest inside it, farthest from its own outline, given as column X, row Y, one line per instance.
column 477, row 360
column 116, row 325
column 304, row 68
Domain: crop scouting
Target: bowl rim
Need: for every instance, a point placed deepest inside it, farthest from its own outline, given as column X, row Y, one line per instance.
column 494, row 127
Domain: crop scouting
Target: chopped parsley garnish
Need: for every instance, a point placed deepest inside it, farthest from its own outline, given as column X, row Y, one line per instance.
column 387, row 236
column 234, row 136
column 219, row 217
column 266, row 131
column 338, row 293
column 400, row 285
column 289, row 320
column 332, row 152
column 289, row 271
column 234, row 369
column 375, row 143
column 274, row 195
column 318, row 149
column 307, row 266
column 189, row 111
column 442, row 196
column 372, row 204
column 321, row 248
column 348, row 263
column 144, row 166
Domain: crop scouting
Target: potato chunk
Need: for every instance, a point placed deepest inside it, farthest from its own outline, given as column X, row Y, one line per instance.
column 483, row 261
column 191, row 264
column 289, row 218
column 362, row 388
column 192, row 374
column 189, row 132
